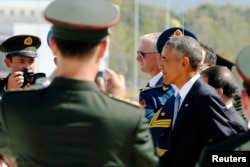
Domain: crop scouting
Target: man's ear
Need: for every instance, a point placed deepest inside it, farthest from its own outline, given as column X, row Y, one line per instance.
column 103, row 47
column 7, row 62
column 53, row 46
column 185, row 62
column 220, row 91
column 55, row 60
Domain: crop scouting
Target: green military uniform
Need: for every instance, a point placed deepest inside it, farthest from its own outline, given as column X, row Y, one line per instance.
column 239, row 142
column 70, row 123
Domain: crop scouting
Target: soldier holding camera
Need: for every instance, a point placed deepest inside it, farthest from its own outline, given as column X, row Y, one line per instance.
column 20, row 52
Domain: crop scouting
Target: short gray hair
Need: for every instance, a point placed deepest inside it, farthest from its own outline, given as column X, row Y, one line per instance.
column 152, row 38
column 189, row 47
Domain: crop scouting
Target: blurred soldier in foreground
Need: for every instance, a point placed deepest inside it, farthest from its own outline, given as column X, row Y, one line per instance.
column 70, row 122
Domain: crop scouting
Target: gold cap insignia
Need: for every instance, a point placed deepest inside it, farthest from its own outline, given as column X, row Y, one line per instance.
column 28, row 41
column 177, row 33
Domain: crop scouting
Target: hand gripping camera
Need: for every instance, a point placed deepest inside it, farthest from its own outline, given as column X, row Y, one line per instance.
column 31, row 77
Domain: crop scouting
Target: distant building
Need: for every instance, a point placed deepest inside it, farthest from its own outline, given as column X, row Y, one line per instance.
column 26, row 17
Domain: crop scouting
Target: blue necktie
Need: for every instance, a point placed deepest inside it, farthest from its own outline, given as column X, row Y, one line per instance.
column 176, row 108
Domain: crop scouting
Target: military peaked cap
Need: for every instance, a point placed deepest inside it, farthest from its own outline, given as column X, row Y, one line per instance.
column 23, row 45
column 222, row 61
column 242, row 66
column 172, row 32
column 81, row 20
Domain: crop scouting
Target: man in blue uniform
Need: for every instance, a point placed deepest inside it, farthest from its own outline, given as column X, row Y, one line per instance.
column 70, row 122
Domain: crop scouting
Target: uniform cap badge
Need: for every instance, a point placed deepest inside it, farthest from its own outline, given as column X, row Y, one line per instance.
column 28, row 41
column 177, row 33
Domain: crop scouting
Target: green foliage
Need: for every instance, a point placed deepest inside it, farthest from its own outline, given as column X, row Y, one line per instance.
column 225, row 28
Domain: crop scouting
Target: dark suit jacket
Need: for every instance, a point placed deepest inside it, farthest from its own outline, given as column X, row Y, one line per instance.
column 238, row 122
column 202, row 118
column 70, row 123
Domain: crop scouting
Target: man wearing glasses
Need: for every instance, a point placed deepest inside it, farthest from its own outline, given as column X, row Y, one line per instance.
column 152, row 97
column 148, row 58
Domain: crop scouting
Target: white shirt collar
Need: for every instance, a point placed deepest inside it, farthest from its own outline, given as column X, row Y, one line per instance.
column 155, row 79
column 229, row 105
column 186, row 87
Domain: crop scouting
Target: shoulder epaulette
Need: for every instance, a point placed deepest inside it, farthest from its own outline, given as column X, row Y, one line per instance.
column 125, row 100
column 163, row 87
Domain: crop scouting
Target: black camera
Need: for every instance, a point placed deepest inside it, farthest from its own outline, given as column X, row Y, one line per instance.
column 31, row 77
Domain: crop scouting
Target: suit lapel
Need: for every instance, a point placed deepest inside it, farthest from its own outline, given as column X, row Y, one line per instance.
column 185, row 105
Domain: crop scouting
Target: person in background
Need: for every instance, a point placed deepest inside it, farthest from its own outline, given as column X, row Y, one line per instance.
column 20, row 52
column 71, row 122
column 148, row 58
column 231, row 145
column 155, row 94
column 223, row 61
column 209, row 57
column 221, row 78
column 199, row 114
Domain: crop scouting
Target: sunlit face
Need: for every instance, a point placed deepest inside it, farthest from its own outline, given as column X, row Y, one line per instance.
column 18, row 63
column 149, row 59
column 171, row 65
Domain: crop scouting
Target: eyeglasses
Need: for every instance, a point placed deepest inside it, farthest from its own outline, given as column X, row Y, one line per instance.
column 142, row 54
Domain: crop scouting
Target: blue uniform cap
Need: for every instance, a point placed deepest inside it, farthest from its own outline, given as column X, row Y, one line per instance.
column 170, row 32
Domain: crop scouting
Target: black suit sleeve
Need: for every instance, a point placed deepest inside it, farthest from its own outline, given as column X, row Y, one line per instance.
column 214, row 120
